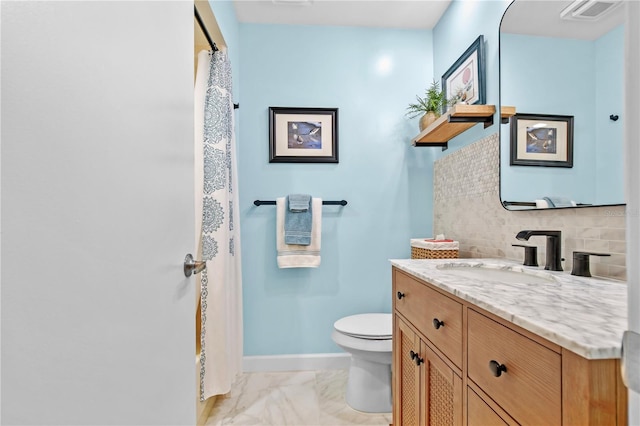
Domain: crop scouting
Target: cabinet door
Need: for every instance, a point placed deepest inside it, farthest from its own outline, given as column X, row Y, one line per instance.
column 479, row 413
column 442, row 400
column 406, row 375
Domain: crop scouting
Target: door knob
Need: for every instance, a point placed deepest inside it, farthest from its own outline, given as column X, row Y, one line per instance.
column 192, row 266
column 630, row 360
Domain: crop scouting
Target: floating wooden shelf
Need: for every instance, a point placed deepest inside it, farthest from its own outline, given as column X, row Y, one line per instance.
column 453, row 122
column 506, row 112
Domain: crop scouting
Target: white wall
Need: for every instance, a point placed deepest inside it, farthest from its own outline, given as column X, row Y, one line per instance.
column 97, row 213
column 632, row 173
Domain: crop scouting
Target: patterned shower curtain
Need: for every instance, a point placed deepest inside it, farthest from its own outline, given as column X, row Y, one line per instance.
column 218, row 230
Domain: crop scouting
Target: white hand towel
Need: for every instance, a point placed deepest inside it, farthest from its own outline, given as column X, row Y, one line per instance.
column 294, row 255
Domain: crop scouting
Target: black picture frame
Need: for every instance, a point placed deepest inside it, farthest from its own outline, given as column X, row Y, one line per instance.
column 466, row 77
column 541, row 140
column 303, row 135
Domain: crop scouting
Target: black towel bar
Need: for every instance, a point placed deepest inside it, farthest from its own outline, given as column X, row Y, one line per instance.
column 326, row 203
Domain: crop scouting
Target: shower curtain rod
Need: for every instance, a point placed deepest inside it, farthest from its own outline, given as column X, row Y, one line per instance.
column 212, row 43
column 325, row 203
column 204, row 30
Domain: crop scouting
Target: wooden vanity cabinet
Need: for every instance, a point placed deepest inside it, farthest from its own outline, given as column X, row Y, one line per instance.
column 488, row 371
column 427, row 390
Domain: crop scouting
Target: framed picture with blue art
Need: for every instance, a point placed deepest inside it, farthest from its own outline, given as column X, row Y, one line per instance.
column 542, row 140
column 303, row 135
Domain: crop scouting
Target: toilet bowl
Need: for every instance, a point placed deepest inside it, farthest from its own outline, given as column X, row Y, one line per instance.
column 367, row 337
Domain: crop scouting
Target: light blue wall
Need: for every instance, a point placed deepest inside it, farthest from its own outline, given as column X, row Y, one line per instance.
column 461, row 24
column 582, row 78
column 545, row 75
column 458, row 28
column 609, row 62
column 463, row 21
column 387, row 183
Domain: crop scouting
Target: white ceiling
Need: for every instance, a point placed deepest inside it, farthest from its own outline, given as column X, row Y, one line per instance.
column 542, row 17
column 423, row 14
column 539, row 17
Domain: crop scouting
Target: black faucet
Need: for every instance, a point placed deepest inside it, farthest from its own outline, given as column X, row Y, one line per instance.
column 554, row 246
column 581, row 262
column 530, row 254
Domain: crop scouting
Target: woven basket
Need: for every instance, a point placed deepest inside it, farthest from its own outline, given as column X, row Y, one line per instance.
column 428, row 249
column 423, row 253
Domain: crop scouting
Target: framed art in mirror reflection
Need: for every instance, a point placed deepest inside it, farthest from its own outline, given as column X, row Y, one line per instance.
column 542, row 140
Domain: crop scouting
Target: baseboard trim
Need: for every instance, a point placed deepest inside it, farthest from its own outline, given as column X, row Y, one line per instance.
column 260, row 363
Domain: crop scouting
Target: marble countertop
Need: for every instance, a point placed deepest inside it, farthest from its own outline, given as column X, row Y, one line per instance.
column 585, row 315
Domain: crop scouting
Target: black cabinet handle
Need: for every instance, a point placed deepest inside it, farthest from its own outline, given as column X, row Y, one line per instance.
column 400, row 295
column 496, row 368
column 416, row 358
column 437, row 323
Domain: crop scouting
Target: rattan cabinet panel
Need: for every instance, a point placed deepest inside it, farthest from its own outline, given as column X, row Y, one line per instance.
column 427, row 391
column 406, row 377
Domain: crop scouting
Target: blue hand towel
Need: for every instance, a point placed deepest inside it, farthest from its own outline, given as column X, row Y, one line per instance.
column 297, row 220
column 299, row 202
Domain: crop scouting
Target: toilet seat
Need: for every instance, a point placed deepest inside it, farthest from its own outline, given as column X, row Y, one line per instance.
column 366, row 326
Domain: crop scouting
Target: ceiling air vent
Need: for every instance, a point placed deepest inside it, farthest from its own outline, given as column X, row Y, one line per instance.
column 589, row 9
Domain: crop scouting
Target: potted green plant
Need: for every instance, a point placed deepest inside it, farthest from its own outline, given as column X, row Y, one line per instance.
column 430, row 106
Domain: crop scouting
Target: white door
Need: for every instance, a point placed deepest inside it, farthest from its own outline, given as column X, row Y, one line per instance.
column 632, row 155
column 97, row 213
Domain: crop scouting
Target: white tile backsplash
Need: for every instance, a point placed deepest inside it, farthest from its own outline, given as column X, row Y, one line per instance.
column 467, row 208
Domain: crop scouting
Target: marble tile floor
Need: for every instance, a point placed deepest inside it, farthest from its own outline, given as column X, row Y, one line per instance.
column 290, row 398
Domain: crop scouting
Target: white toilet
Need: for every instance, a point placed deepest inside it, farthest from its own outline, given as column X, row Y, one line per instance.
column 367, row 337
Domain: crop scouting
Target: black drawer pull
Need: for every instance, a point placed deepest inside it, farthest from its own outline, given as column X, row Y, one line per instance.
column 400, row 295
column 496, row 368
column 437, row 323
column 413, row 355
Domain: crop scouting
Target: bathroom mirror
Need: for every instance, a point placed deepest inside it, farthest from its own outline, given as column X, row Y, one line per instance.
column 559, row 59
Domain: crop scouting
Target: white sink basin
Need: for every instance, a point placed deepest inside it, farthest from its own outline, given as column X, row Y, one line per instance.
column 497, row 273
